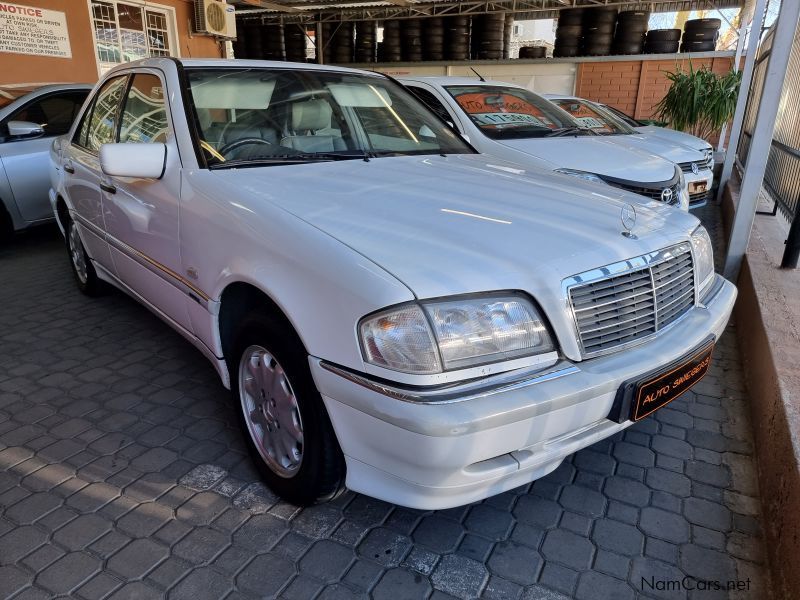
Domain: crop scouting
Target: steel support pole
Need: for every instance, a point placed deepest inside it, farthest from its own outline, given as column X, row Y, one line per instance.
column 320, row 44
column 741, row 102
column 758, row 153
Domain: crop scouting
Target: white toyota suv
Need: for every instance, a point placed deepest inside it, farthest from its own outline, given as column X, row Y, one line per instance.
column 391, row 310
column 511, row 122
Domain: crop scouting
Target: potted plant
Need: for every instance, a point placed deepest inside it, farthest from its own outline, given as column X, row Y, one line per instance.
column 699, row 101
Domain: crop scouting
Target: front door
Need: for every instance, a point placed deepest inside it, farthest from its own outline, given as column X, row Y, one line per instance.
column 142, row 215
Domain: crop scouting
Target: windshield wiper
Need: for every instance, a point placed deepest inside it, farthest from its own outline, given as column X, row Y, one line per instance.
column 569, row 131
column 289, row 159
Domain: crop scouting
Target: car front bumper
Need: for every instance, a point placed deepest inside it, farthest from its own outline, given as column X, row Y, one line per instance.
column 699, row 199
column 473, row 442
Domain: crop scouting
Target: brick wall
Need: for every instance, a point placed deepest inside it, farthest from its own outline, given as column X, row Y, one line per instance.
column 635, row 87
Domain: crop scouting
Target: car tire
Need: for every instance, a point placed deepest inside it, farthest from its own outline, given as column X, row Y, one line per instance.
column 700, row 35
column 83, row 269
column 268, row 358
column 572, row 16
column 6, row 226
column 661, row 47
column 698, row 46
column 663, row 35
column 706, row 23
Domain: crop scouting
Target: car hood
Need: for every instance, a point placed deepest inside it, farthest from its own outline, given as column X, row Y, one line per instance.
column 671, row 150
column 459, row 224
column 679, row 137
column 597, row 155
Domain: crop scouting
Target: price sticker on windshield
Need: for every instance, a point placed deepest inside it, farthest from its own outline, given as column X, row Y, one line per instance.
column 503, row 118
column 591, row 122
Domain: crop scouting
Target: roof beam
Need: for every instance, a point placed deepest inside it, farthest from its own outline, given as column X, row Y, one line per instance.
column 277, row 6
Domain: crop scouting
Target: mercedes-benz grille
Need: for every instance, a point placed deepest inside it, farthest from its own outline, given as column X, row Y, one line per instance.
column 627, row 302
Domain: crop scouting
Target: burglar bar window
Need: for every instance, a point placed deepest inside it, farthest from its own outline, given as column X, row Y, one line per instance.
column 125, row 32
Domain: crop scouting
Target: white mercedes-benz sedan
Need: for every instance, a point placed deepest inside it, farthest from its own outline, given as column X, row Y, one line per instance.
column 392, row 311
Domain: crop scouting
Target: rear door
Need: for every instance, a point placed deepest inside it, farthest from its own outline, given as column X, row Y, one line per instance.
column 81, row 164
column 26, row 159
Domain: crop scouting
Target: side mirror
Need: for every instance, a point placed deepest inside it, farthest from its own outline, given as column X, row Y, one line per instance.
column 142, row 161
column 24, row 129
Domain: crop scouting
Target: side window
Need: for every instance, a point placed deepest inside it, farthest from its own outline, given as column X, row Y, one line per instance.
column 99, row 124
column 144, row 116
column 54, row 113
column 431, row 101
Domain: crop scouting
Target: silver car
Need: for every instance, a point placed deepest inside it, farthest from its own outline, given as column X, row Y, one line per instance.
column 30, row 117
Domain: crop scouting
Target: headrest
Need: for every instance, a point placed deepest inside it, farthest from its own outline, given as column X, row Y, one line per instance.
column 311, row 115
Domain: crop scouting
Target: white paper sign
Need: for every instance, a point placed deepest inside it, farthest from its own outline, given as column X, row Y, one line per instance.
column 31, row 30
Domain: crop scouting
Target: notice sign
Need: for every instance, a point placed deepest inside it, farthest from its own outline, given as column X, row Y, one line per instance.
column 31, row 30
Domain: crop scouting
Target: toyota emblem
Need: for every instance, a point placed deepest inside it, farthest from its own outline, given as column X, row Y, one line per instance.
column 695, row 168
column 666, row 195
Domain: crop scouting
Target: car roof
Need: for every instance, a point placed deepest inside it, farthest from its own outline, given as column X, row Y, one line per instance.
column 443, row 81
column 220, row 63
column 43, row 88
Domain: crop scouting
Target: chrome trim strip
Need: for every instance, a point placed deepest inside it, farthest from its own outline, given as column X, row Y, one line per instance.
column 153, row 265
column 488, row 386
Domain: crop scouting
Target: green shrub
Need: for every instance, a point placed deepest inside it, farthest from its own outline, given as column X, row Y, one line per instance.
column 699, row 101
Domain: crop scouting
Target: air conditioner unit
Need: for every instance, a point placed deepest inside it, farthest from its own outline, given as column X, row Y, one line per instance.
column 215, row 17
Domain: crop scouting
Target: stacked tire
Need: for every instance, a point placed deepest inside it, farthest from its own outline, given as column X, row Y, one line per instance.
column 365, row 41
column 239, row 44
column 390, row 48
column 533, row 52
column 252, row 42
column 294, row 38
column 598, row 31
column 433, row 39
column 411, row 40
column 569, row 33
column 630, row 33
column 508, row 30
column 456, row 38
column 662, row 41
column 487, row 36
column 700, row 35
column 339, row 48
column 272, row 42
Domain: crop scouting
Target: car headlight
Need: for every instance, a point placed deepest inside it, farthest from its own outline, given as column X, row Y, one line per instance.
column 581, row 175
column 703, row 252
column 445, row 335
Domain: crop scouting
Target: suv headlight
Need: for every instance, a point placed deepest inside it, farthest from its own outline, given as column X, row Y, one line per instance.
column 703, row 252
column 581, row 175
column 449, row 334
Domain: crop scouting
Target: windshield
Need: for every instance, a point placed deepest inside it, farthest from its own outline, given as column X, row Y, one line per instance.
column 281, row 116
column 506, row 112
column 8, row 95
column 593, row 116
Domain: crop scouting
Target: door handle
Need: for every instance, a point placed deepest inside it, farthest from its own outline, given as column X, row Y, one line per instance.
column 107, row 187
column 69, row 168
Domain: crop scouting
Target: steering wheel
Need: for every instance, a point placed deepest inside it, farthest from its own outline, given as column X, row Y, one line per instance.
column 243, row 142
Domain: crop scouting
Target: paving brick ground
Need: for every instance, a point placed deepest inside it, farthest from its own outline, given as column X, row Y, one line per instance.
column 122, row 475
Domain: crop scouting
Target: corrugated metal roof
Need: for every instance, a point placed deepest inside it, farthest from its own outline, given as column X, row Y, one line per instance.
column 359, row 10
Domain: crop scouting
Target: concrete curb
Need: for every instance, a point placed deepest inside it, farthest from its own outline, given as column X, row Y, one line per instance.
column 768, row 326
